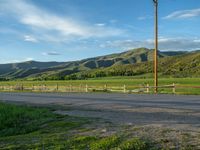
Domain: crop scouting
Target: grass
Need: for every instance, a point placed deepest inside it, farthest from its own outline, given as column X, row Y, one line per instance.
column 116, row 142
column 33, row 126
column 16, row 120
column 28, row 127
column 116, row 81
column 134, row 144
column 110, row 81
column 105, row 143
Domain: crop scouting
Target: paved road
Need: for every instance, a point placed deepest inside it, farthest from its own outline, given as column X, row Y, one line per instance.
column 172, row 110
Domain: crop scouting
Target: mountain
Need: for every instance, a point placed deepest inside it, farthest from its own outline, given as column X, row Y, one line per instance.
column 20, row 70
column 183, row 65
column 59, row 70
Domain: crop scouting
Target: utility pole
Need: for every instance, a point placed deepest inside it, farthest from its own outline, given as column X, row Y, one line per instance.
column 156, row 47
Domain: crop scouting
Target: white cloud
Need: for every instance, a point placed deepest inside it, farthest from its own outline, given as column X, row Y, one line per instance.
column 51, row 25
column 100, row 24
column 52, row 53
column 182, row 14
column 170, row 44
column 30, row 38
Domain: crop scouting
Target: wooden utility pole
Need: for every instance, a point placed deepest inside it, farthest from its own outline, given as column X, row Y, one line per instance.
column 156, row 48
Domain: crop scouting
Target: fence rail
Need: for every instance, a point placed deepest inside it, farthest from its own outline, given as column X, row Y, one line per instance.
column 99, row 88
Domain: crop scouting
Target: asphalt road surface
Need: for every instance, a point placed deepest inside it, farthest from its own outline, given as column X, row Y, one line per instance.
column 171, row 110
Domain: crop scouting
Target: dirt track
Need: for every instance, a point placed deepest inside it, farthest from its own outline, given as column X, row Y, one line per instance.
column 167, row 110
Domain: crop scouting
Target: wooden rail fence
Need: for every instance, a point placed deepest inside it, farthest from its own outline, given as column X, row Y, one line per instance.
column 96, row 88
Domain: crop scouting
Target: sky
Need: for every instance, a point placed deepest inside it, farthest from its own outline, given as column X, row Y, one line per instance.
column 66, row 30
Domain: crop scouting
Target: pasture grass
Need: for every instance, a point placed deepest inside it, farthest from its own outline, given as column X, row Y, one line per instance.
column 16, row 120
column 117, row 81
column 130, row 82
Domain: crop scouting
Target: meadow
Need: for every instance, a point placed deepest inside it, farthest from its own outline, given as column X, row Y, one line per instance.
column 183, row 85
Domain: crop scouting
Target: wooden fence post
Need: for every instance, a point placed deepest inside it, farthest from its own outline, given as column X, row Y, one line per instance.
column 86, row 88
column 57, row 87
column 147, row 88
column 33, row 87
column 174, row 88
column 105, row 87
column 124, row 88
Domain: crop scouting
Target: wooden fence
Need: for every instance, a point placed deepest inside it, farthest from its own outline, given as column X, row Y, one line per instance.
column 90, row 88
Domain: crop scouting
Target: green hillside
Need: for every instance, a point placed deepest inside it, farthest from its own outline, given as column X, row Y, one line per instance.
column 184, row 65
column 20, row 70
column 132, row 62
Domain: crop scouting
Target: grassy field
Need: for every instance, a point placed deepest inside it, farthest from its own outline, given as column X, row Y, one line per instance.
column 31, row 127
column 130, row 82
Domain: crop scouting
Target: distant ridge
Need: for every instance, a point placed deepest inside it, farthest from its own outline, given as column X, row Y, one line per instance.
column 59, row 70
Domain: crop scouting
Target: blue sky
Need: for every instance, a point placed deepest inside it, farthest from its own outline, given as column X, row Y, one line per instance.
column 65, row 30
